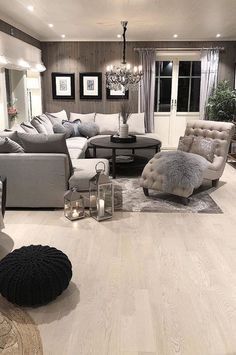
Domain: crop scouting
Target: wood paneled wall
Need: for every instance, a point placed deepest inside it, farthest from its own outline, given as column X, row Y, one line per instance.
column 76, row 57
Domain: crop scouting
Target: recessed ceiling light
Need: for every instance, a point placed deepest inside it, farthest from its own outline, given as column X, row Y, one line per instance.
column 30, row 8
column 218, row 35
column 50, row 25
column 63, row 36
column 175, row 35
column 118, row 36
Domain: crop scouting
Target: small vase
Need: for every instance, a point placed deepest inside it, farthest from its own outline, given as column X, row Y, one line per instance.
column 124, row 130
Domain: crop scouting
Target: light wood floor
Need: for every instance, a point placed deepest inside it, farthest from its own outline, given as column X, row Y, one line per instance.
column 143, row 283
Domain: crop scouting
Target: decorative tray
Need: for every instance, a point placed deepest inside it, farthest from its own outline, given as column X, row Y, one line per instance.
column 117, row 139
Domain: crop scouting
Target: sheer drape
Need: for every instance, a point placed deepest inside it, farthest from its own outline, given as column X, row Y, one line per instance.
column 209, row 77
column 147, row 88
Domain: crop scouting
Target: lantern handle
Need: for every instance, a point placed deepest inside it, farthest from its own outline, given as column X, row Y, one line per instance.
column 99, row 170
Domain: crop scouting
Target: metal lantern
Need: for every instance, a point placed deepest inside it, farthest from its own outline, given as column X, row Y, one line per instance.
column 101, row 195
column 73, row 205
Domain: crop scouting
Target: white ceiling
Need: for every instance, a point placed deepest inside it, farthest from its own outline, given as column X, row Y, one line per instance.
column 99, row 20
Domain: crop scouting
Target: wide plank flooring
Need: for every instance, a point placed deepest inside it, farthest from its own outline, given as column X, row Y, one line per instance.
column 143, row 283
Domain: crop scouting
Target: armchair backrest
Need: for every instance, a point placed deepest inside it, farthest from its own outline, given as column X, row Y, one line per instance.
column 221, row 132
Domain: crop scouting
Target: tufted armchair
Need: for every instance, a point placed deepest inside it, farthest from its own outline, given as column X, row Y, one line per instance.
column 222, row 133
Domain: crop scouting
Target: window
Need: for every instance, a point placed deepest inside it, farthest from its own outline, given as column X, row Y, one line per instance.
column 189, row 86
column 163, row 86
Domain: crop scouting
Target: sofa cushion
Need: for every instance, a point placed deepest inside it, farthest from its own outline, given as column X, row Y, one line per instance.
column 9, row 146
column 44, row 120
column 77, row 142
column 59, row 128
column 38, row 125
column 44, row 143
column 136, row 123
column 84, row 170
column 28, row 128
column 107, row 123
column 83, row 117
column 17, row 128
column 10, row 134
column 57, row 117
column 204, row 147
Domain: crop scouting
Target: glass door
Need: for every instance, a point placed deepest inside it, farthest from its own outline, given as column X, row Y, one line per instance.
column 177, row 93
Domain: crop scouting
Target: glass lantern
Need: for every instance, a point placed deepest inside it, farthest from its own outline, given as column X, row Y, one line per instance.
column 101, row 195
column 73, row 205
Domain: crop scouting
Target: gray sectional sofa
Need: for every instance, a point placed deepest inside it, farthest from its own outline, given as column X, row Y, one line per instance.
column 39, row 180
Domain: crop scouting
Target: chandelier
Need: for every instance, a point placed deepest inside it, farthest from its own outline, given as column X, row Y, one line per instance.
column 123, row 77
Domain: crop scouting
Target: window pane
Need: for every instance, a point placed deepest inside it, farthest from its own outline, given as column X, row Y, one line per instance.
column 165, row 95
column 156, row 95
column 183, row 92
column 166, row 68
column 196, row 68
column 157, row 68
column 184, row 68
column 195, row 95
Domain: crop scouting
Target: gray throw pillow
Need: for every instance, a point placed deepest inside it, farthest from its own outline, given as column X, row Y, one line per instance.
column 38, row 125
column 46, row 123
column 185, row 143
column 73, row 127
column 59, row 128
column 204, row 147
column 9, row 146
column 45, row 143
column 88, row 129
column 10, row 134
column 28, row 128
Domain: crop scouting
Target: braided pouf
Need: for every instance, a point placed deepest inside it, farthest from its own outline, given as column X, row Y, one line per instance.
column 34, row 275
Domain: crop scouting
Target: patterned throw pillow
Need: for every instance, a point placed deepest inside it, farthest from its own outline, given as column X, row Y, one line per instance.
column 185, row 143
column 204, row 147
column 73, row 127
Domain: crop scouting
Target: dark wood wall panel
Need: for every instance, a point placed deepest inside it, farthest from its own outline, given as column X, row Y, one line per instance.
column 15, row 32
column 76, row 57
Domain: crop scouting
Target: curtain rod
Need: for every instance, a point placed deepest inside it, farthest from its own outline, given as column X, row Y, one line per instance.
column 179, row 49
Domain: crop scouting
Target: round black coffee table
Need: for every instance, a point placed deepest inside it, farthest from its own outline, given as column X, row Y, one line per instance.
column 141, row 143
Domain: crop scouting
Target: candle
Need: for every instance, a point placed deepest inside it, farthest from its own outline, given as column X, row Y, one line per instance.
column 101, row 208
column 135, row 69
column 108, row 68
column 128, row 66
column 93, row 201
column 74, row 213
column 140, row 68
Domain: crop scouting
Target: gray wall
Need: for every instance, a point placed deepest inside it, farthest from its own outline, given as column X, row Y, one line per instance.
column 75, row 57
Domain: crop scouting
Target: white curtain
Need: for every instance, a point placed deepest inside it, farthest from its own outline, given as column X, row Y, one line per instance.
column 147, row 88
column 209, row 77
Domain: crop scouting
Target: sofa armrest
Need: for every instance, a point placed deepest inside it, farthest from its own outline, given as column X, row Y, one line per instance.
column 35, row 179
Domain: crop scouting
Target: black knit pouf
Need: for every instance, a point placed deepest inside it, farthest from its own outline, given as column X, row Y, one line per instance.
column 34, row 275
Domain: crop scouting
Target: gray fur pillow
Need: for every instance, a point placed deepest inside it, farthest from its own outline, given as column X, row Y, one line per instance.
column 204, row 147
column 72, row 127
column 88, row 129
column 9, row 146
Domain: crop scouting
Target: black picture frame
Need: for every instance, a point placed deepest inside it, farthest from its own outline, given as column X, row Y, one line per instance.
column 69, row 79
column 95, row 86
column 117, row 97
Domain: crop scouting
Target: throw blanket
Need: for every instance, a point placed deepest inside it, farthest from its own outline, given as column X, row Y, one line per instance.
column 181, row 169
column 1, row 218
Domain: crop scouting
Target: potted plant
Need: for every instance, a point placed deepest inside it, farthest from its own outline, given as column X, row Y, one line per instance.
column 12, row 111
column 125, row 114
column 222, row 103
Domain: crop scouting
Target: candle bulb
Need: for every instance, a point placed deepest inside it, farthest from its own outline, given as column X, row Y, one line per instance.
column 128, row 66
column 140, row 68
column 101, row 208
column 135, row 69
column 108, row 68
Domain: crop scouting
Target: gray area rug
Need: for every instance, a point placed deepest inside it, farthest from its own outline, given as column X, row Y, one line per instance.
column 129, row 197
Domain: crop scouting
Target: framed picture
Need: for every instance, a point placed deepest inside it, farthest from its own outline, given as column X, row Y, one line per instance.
column 90, row 86
column 117, row 94
column 63, row 86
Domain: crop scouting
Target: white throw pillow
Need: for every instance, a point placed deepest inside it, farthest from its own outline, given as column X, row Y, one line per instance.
column 83, row 117
column 61, row 115
column 107, row 123
column 136, row 123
